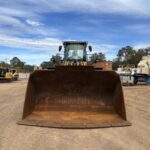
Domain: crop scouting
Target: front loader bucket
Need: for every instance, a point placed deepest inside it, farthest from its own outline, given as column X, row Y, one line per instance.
column 74, row 97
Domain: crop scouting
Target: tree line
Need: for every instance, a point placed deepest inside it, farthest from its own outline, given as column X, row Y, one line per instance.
column 125, row 56
column 16, row 63
column 56, row 59
column 129, row 56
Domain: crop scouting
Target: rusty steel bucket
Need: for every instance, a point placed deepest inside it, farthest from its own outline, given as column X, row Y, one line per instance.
column 74, row 97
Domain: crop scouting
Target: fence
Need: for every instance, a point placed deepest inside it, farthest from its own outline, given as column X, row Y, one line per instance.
column 24, row 75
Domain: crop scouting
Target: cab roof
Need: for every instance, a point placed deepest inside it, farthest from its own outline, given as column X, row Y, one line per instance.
column 75, row 42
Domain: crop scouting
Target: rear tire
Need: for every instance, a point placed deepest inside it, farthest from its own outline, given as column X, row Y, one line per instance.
column 135, row 80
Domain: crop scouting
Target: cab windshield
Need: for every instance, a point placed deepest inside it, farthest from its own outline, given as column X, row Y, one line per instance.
column 75, row 51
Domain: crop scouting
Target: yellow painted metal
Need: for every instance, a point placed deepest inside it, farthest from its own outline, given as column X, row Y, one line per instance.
column 9, row 75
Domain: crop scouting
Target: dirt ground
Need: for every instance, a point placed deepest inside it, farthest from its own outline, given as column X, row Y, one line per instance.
column 18, row 137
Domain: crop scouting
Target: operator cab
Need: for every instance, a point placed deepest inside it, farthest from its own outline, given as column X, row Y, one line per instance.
column 3, row 71
column 75, row 50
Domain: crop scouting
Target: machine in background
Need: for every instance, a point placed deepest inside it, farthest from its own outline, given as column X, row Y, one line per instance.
column 7, row 74
column 136, row 75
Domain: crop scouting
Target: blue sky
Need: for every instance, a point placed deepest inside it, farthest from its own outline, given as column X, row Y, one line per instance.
column 33, row 29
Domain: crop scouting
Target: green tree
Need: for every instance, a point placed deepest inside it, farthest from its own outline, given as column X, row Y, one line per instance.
column 28, row 68
column 147, row 51
column 115, row 63
column 16, row 62
column 97, row 57
column 127, row 55
column 56, row 59
column 4, row 64
column 47, row 64
column 139, row 54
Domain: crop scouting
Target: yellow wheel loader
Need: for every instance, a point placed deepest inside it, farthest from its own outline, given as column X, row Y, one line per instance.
column 74, row 94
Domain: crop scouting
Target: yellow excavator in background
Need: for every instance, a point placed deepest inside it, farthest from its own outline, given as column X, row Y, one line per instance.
column 7, row 74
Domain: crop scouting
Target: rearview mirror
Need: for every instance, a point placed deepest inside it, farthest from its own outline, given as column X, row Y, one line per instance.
column 60, row 48
column 90, row 48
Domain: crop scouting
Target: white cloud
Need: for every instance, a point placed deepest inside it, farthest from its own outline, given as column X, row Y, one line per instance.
column 46, row 44
column 107, row 49
column 32, row 11
column 141, row 45
column 34, row 7
column 35, row 50
column 34, row 23
column 49, row 46
column 19, row 18
column 11, row 21
column 139, row 28
column 130, row 7
column 37, row 44
column 12, row 26
column 11, row 10
column 103, row 47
